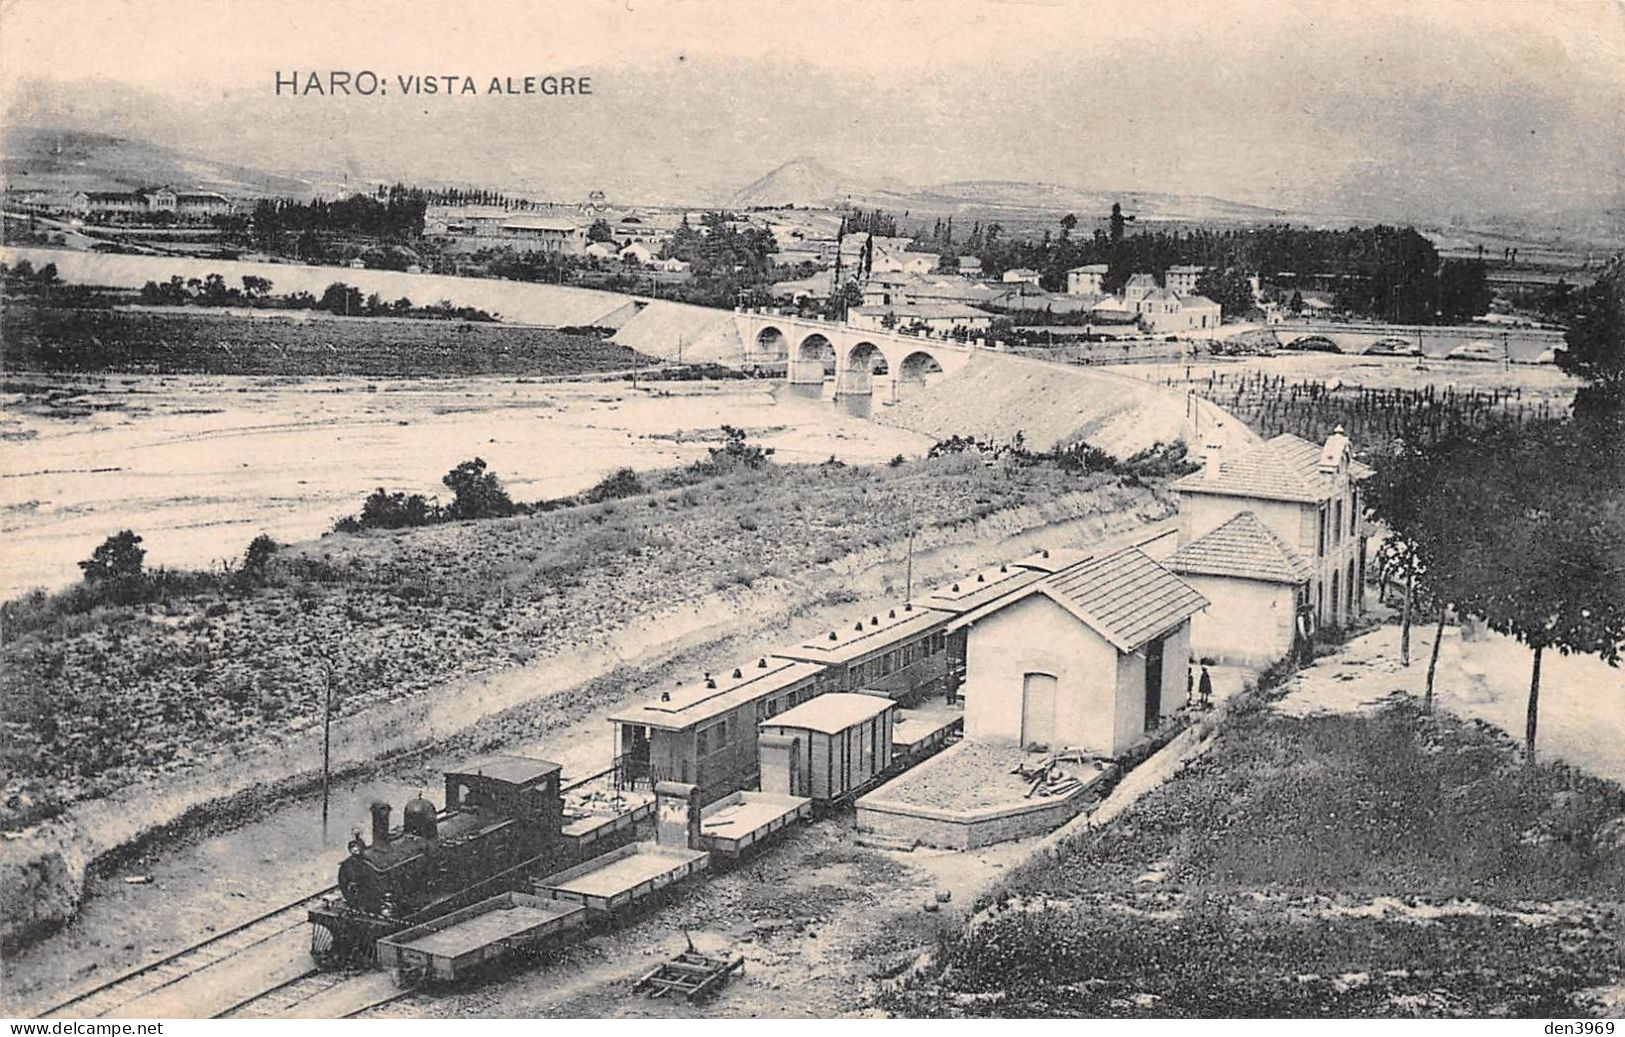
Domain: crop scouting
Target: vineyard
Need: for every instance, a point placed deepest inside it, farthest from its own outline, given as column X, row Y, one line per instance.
column 1372, row 417
column 99, row 340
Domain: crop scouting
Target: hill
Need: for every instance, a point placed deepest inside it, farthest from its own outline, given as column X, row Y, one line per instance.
column 59, row 159
column 802, row 181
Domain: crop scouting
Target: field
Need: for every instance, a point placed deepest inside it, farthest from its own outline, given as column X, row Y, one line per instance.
column 1383, row 865
column 120, row 693
column 202, row 342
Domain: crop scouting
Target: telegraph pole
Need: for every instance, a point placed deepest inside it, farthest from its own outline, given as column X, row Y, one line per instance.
column 327, row 738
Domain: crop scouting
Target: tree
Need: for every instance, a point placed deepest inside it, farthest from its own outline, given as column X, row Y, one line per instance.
column 1069, row 222
column 341, row 299
column 478, row 493
column 1596, row 345
column 117, row 561
column 1463, row 291
column 1229, row 287
column 600, row 231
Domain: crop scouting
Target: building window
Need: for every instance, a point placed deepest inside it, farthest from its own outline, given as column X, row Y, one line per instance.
column 713, row 738
column 1320, row 532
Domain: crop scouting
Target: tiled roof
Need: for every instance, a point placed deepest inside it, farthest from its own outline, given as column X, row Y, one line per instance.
column 1284, row 468
column 1125, row 597
column 1243, row 547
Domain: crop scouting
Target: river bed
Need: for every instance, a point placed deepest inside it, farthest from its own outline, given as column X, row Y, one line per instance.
column 199, row 465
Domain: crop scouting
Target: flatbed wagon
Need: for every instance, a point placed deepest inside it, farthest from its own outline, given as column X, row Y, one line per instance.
column 616, row 880
column 449, row 947
column 733, row 824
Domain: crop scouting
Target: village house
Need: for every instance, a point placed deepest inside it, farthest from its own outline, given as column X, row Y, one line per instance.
column 1181, row 280
column 1019, row 275
column 1088, row 657
column 1308, row 496
column 935, row 316
column 1086, row 280
column 547, row 234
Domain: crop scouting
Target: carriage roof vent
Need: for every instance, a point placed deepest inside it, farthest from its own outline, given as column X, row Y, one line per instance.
column 761, row 664
column 710, row 682
column 833, row 636
column 980, row 578
column 908, row 606
column 1003, row 569
column 892, row 614
column 858, row 626
column 665, row 696
column 738, row 673
column 1046, row 552
column 874, row 621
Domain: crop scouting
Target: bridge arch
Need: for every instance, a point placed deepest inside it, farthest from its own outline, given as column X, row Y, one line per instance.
column 771, row 346
column 814, row 360
column 1313, row 344
column 865, row 361
column 916, row 370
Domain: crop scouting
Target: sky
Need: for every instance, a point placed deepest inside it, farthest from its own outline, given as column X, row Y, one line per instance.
column 1429, row 107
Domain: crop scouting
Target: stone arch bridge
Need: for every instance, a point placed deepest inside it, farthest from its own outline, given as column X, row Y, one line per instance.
column 887, row 365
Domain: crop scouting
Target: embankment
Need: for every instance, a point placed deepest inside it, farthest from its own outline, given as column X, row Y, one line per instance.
column 996, row 395
column 548, row 305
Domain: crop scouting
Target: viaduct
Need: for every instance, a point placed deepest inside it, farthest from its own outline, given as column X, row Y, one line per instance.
column 888, row 365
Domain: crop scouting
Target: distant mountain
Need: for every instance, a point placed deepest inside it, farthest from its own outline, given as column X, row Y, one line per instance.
column 809, row 182
column 79, row 160
column 805, row 182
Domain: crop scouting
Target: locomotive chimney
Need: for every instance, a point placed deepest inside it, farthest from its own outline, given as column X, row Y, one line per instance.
column 380, row 823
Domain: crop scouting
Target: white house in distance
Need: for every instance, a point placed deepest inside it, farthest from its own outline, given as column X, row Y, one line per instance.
column 1257, row 583
column 1181, row 280
column 1086, row 280
column 1308, row 496
column 1084, row 658
column 1019, row 275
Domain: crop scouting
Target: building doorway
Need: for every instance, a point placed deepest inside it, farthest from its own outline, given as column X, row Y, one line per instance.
column 1153, row 684
column 1038, row 710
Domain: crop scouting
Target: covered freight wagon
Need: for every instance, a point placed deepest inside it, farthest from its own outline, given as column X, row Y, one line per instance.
column 827, row 748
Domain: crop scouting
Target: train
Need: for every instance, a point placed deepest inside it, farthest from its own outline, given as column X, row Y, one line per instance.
column 506, row 824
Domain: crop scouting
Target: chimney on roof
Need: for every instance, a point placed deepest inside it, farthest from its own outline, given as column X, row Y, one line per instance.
column 1211, row 459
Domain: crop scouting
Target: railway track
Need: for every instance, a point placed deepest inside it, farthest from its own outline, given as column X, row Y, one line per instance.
column 109, row 997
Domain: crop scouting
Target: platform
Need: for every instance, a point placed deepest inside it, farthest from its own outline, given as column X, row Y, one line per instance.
column 919, row 732
column 624, row 876
column 735, row 823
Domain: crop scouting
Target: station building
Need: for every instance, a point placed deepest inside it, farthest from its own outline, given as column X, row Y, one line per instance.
column 1086, row 657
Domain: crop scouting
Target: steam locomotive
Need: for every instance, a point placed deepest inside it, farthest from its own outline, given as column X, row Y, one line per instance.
column 502, row 822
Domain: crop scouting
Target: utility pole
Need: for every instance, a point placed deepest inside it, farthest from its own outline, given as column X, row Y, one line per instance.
column 327, row 738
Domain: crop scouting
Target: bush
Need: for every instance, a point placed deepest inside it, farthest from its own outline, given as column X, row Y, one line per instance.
column 257, row 559
column 621, row 483
column 117, row 561
column 478, row 493
column 397, row 511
